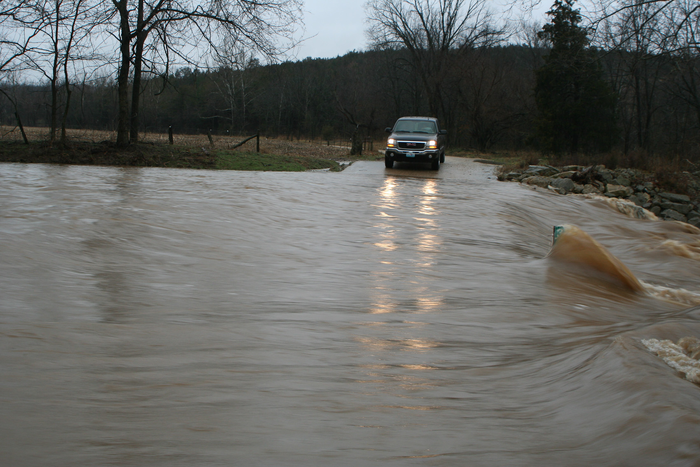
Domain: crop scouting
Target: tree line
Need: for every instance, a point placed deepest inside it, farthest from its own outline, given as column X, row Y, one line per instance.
column 628, row 80
column 64, row 40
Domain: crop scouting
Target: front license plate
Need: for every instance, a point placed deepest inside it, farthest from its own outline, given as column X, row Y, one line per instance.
column 408, row 154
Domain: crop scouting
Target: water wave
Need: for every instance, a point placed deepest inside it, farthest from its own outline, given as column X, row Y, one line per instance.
column 573, row 245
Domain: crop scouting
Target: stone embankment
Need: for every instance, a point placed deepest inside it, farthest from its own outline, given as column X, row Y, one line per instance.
column 634, row 185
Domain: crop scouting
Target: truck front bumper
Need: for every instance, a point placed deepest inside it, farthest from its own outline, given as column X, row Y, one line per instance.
column 416, row 156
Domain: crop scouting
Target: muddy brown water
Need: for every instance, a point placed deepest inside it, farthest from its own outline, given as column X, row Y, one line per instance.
column 168, row 317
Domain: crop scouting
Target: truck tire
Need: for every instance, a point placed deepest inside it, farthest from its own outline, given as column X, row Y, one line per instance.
column 388, row 162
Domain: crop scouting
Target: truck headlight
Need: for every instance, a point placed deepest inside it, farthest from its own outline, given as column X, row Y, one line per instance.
column 432, row 144
column 391, row 143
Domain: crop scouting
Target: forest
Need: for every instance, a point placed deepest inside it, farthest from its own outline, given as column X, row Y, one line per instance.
column 488, row 87
column 314, row 98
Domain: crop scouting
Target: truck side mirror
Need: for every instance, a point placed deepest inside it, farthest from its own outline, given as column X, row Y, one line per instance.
column 388, row 129
column 443, row 132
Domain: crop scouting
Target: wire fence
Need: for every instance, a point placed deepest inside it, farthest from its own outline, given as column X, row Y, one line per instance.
column 336, row 147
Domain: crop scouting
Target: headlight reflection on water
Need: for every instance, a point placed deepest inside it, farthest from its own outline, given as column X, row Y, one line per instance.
column 406, row 241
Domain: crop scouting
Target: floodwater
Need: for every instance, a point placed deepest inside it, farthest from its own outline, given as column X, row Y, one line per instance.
column 164, row 317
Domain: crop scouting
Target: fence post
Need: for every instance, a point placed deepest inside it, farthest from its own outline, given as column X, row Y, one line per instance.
column 211, row 140
column 170, row 134
column 257, row 142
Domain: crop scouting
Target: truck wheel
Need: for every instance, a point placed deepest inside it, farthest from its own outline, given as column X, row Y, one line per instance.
column 442, row 158
column 388, row 162
column 436, row 164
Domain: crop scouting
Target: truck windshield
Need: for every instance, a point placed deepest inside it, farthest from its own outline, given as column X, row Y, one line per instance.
column 415, row 126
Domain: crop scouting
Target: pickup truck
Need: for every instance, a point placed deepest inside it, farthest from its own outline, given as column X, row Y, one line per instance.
column 415, row 139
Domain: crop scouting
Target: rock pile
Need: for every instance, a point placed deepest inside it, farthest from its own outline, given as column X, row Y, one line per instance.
column 633, row 185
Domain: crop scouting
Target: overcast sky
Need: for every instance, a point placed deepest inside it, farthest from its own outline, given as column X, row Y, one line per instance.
column 334, row 27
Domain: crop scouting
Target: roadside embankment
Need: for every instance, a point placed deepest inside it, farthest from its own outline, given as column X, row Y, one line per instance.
column 636, row 186
column 274, row 157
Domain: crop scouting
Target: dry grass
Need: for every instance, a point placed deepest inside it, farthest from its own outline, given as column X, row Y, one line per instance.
column 90, row 147
column 275, row 146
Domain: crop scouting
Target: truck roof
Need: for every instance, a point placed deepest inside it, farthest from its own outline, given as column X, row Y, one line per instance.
column 417, row 118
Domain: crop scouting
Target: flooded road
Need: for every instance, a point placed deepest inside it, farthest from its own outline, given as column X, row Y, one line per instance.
column 374, row 317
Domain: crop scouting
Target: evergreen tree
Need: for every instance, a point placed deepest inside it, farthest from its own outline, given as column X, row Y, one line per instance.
column 576, row 105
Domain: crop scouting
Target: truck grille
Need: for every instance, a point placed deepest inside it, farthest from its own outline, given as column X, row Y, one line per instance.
column 411, row 145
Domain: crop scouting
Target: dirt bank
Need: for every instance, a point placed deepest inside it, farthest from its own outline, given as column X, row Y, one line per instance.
column 106, row 153
column 153, row 154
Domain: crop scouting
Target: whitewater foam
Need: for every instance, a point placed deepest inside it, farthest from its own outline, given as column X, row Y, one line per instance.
column 625, row 206
column 683, row 357
column 680, row 296
column 685, row 250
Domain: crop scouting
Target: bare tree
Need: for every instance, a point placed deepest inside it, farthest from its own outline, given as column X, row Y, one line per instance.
column 259, row 24
column 671, row 16
column 17, row 40
column 496, row 95
column 64, row 29
column 655, row 49
column 684, row 53
column 232, row 81
column 634, row 36
column 359, row 116
column 433, row 32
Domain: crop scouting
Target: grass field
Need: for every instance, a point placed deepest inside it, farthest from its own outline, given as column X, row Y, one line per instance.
column 93, row 147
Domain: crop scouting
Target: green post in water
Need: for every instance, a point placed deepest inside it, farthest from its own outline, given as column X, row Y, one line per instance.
column 558, row 230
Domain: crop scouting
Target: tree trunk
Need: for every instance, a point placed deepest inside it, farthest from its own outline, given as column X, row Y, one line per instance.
column 54, row 77
column 356, row 149
column 136, row 94
column 123, row 77
column 65, row 109
column 54, row 109
column 21, row 128
column 136, row 88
